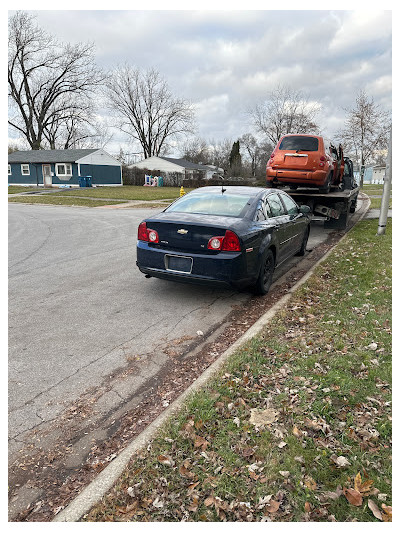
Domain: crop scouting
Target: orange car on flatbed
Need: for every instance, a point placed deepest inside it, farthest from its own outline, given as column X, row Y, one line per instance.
column 307, row 161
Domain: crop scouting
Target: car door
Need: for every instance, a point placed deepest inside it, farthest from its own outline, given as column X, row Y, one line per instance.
column 297, row 222
column 281, row 220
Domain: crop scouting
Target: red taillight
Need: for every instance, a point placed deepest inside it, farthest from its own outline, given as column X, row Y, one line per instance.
column 146, row 234
column 142, row 232
column 228, row 243
column 323, row 158
column 231, row 242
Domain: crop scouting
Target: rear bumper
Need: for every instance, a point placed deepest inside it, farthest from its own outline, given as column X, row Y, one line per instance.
column 306, row 177
column 224, row 268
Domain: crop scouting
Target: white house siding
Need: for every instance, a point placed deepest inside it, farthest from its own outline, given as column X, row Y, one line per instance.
column 156, row 163
column 100, row 157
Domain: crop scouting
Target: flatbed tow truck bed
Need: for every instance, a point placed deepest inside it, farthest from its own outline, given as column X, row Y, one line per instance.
column 336, row 205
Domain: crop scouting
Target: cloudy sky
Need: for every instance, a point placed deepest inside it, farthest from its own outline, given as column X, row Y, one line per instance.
column 226, row 61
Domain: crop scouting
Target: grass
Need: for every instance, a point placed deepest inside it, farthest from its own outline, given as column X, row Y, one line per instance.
column 56, row 200
column 127, row 192
column 376, row 203
column 14, row 189
column 321, row 371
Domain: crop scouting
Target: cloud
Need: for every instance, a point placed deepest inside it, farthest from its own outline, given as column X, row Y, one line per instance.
column 226, row 61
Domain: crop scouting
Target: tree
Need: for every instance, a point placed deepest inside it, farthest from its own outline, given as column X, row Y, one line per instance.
column 366, row 131
column 146, row 108
column 285, row 111
column 235, row 159
column 196, row 150
column 48, row 81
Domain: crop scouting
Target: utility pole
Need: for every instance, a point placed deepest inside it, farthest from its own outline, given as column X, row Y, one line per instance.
column 387, row 185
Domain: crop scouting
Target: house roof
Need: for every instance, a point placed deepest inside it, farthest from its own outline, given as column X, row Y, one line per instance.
column 49, row 156
column 184, row 163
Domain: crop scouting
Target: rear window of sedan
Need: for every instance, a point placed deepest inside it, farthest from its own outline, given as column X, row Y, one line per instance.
column 231, row 205
column 297, row 142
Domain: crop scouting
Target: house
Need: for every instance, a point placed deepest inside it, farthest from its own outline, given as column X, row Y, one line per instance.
column 63, row 167
column 374, row 174
column 170, row 165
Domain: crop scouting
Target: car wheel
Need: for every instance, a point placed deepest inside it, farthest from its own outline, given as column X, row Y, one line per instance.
column 302, row 250
column 327, row 186
column 266, row 272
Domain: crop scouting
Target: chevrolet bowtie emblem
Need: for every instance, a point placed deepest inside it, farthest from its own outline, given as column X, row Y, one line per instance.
column 182, row 231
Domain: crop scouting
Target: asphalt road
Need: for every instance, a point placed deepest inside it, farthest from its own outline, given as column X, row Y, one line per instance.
column 79, row 310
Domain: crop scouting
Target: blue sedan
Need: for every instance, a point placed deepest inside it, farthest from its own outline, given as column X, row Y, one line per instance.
column 233, row 236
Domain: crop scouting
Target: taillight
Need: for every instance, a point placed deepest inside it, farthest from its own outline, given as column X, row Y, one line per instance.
column 231, row 242
column 146, row 234
column 322, row 160
column 142, row 232
column 215, row 243
column 228, row 243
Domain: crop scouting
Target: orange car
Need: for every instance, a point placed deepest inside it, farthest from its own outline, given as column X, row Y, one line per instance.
column 307, row 160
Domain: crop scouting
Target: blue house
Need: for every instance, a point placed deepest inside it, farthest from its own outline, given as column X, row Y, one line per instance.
column 63, row 167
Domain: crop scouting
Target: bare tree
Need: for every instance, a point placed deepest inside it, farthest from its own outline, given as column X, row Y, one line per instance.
column 284, row 111
column 366, row 131
column 146, row 108
column 196, row 150
column 46, row 79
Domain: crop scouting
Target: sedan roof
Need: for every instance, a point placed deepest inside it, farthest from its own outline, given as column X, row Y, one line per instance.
column 232, row 189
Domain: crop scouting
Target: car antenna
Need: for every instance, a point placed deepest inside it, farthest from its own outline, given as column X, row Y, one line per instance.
column 222, row 185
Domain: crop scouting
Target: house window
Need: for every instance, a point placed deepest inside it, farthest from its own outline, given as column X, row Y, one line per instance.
column 25, row 171
column 63, row 169
column 9, row 170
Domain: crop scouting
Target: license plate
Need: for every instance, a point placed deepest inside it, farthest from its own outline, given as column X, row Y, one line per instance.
column 177, row 263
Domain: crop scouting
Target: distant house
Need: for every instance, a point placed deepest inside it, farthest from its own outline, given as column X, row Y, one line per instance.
column 167, row 165
column 374, row 174
column 63, row 167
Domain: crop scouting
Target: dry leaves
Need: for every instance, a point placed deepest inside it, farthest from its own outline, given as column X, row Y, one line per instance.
column 353, row 497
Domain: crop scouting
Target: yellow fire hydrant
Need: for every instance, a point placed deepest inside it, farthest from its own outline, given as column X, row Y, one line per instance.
column 182, row 192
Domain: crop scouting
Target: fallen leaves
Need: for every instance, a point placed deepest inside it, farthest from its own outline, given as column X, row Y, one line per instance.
column 353, row 497
column 263, row 417
column 341, row 461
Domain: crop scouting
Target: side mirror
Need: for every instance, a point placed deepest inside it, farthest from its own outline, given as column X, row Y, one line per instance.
column 305, row 209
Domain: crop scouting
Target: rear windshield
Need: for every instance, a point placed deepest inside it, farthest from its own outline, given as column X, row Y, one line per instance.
column 231, row 205
column 294, row 142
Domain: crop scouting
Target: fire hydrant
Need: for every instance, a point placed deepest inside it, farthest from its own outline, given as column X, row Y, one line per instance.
column 182, row 192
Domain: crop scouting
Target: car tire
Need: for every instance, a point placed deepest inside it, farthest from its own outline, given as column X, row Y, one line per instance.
column 303, row 248
column 327, row 185
column 267, row 268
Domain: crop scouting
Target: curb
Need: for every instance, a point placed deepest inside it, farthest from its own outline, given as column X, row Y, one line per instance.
column 106, row 479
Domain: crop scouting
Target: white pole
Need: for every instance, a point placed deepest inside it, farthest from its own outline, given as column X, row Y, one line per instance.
column 387, row 185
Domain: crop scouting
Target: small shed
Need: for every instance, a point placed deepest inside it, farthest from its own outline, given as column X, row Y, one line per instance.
column 63, row 167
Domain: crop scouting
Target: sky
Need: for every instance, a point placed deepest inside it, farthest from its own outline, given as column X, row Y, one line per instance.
column 226, row 61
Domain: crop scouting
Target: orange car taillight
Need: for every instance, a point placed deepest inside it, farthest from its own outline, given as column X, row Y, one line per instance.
column 146, row 234
column 228, row 243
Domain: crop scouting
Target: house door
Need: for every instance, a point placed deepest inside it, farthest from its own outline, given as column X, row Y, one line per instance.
column 47, row 181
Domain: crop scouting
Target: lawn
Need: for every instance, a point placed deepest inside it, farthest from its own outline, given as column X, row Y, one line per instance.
column 14, row 189
column 56, row 200
column 297, row 425
column 127, row 192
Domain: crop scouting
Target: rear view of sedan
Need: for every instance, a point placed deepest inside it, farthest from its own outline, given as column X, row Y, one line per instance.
column 232, row 236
